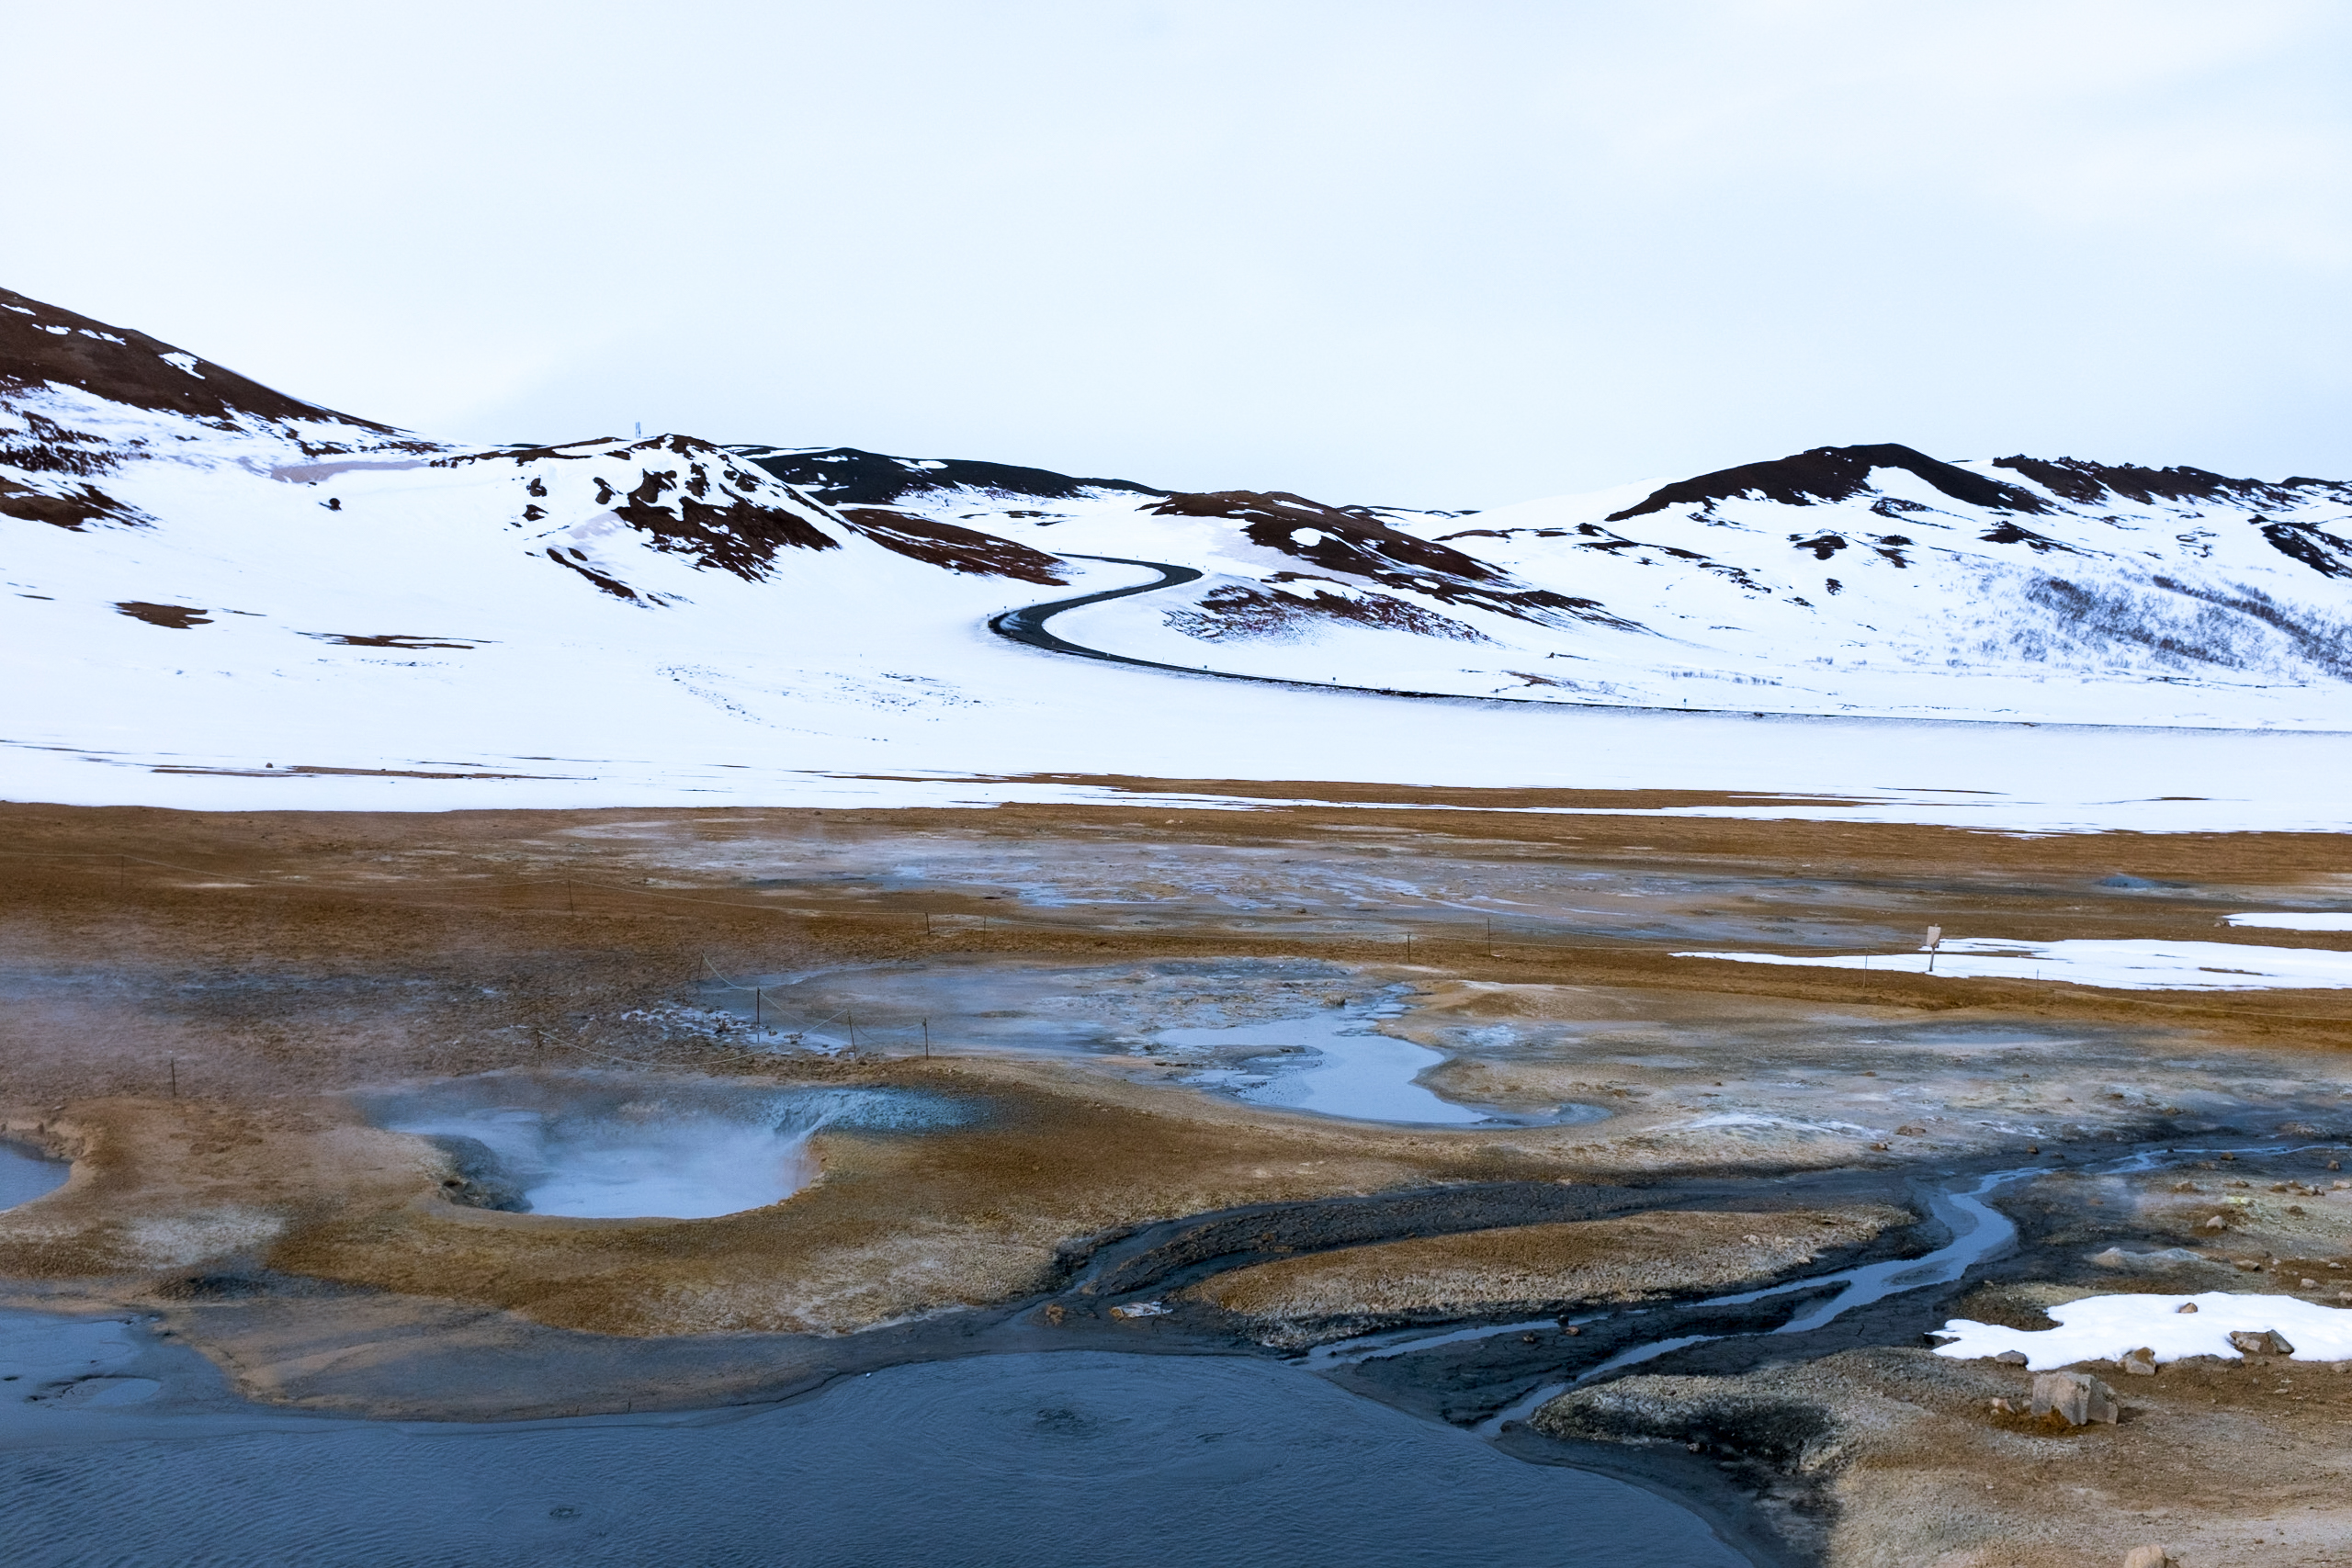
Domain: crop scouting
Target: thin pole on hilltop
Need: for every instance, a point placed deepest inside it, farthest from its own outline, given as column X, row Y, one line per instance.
column 926, row 1039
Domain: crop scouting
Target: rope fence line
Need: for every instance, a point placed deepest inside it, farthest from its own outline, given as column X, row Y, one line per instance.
column 920, row 1028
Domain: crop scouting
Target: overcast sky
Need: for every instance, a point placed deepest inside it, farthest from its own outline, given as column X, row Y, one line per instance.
column 1432, row 253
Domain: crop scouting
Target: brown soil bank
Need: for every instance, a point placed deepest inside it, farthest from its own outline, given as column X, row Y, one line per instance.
column 1897, row 1455
column 1530, row 1269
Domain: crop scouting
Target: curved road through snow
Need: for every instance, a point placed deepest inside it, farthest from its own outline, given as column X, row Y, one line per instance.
column 1027, row 625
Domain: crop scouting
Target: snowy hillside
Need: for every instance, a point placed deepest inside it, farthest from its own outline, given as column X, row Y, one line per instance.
column 217, row 594
column 1860, row 580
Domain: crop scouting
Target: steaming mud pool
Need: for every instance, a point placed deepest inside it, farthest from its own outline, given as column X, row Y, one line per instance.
column 1078, row 1458
column 615, row 1145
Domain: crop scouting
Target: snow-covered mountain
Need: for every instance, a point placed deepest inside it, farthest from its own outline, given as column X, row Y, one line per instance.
column 206, row 578
column 1844, row 580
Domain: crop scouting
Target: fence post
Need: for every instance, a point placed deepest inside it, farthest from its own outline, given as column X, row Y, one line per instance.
column 926, row 1039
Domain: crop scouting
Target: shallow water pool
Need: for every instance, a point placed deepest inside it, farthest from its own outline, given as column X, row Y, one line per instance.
column 25, row 1175
column 1056, row 1460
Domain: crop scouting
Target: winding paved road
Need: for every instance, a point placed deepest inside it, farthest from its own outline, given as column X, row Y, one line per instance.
column 1027, row 625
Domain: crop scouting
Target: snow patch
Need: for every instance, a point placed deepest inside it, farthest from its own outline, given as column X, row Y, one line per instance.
column 2111, row 965
column 2101, row 1328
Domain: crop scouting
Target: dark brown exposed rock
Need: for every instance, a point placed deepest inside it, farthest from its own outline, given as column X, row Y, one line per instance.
column 1833, row 473
column 176, row 617
column 40, row 343
column 955, row 547
column 1235, row 611
column 1355, row 541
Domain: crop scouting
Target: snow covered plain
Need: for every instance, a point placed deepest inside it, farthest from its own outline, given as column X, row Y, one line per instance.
column 220, row 598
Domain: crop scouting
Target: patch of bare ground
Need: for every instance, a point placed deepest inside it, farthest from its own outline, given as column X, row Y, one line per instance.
column 1520, row 1269
column 1897, row 1455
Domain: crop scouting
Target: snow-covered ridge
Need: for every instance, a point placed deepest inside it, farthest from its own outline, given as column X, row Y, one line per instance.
column 209, row 583
column 1861, row 580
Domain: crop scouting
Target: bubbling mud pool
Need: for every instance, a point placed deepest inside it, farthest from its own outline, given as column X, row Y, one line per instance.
column 619, row 1145
column 25, row 1175
column 1026, row 1461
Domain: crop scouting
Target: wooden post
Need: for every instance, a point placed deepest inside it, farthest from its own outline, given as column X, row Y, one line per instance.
column 755, row 1006
column 926, row 1039
column 175, row 1078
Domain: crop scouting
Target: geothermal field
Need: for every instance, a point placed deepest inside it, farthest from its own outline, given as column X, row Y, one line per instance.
column 1793, row 1016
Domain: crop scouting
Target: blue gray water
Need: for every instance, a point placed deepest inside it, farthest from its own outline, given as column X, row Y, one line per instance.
column 25, row 1176
column 1025, row 1460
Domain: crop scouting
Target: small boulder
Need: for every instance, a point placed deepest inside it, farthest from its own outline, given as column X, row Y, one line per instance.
column 2075, row 1398
column 2011, row 1357
column 2216, row 1223
column 2140, row 1363
column 2150, row 1557
column 2261, row 1342
column 2186, row 1307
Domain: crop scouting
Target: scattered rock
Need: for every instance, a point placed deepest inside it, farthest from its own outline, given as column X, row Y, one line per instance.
column 2076, row 1398
column 2216, row 1223
column 2140, row 1363
column 2310, row 1284
column 2011, row 1357
column 2186, row 1307
column 2150, row 1557
column 2261, row 1342
column 1055, row 1313
column 1912, row 1131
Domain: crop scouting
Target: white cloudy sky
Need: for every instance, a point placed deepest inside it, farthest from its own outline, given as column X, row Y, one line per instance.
column 1448, row 253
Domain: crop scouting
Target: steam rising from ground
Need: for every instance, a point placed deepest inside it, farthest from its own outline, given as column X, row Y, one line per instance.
column 617, row 1146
